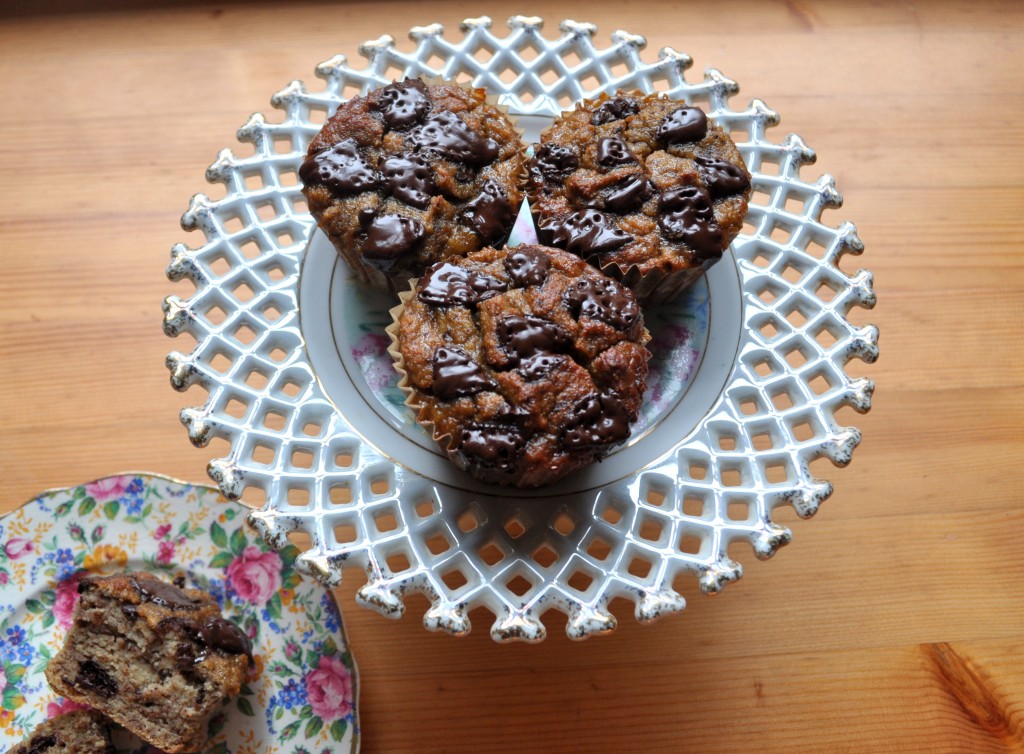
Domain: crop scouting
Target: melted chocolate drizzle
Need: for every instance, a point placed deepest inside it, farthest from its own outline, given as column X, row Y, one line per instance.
column 606, row 300
column 552, row 162
column 596, row 421
column 722, row 178
column 390, row 236
column 341, row 168
column 526, row 267
column 686, row 214
column 446, row 284
column 165, row 595
column 446, row 134
column 628, row 194
column 588, row 232
column 457, row 375
column 213, row 633
column 494, row 447
column 683, row 125
column 538, row 365
column 404, row 104
column 614, row 151
column 614, row 109
column 490, row 214
column 407, row 177
column 522, row 336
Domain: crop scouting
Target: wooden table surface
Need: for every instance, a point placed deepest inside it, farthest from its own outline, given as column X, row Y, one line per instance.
column 895, row 619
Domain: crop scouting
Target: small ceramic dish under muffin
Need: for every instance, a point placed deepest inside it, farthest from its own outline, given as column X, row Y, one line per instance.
column 411, row 174
column 525, row 364
column 646, row 188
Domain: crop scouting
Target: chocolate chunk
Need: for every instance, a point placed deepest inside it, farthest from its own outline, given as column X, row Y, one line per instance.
column 527, row 267
column 606, row 300
column 220, row 633
column 407, row 177
column 686, row 214
column 596, row 420
column 446, row 134
column 614, row 151
column 538, row 365
column 365, row 217
column 628, row 194
column 588, row 232
column 179, row 581
column 553, row 162
column 496, row 447
column 445, row 284
column 457, row 375
column 130, row 612
column 722, row 178
column 614, row 109
column 341, row 168
column 166, row 595
column 390, row 236
column 522, row 336
column 41, row 744
column 490, row 213
column 683, row 125
column 213, row 633
column 95, row 678
column 404, row 104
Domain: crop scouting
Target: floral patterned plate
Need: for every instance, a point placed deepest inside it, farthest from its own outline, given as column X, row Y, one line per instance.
column 302, row 699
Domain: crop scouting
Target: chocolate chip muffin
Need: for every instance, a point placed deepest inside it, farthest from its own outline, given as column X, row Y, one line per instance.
column 412, row 174
column 153, row 657
column 646, row 188
column 527, row 363
column 79, row 732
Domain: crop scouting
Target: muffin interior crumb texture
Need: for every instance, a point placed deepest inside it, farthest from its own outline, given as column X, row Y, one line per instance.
column 412, row 174
column 78, row 732
column 154, row 658
column 639, row 182
column 527, row 363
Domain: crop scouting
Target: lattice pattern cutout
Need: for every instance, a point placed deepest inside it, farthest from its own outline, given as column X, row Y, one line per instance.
column 679, row 515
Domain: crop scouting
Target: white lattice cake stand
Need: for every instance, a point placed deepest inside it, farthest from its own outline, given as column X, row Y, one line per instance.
column 296, row 385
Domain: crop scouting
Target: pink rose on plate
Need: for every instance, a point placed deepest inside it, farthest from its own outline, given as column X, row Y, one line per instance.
column 329, row 689
column 110, row 488
column 255, row 575
column 67, row 598
column 62, row 705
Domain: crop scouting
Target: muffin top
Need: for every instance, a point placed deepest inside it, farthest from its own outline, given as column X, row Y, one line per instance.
column 528, row 362
column 640, row 181
column 412, row 174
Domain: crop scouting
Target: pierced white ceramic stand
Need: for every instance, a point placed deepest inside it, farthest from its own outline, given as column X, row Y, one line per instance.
column 735, row 447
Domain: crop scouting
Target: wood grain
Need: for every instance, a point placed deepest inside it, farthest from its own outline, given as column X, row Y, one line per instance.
column 895, row 619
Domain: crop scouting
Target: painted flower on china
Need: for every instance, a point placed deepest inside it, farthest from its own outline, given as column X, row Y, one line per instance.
column 62, row 706
column 329, row 689
column 255, row 575
column 162, row 531
column 18, row 547
column 105, row 555
column 110, row 488
column 165, row 552
column 66, row 599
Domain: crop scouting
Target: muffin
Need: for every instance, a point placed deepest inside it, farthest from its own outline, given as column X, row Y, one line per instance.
column 526, row 364
column 646, row 188
column 153, row 657
column 412, row 174
column 78, row 732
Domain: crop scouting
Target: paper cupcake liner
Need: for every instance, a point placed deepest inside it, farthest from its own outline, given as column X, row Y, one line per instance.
column 396, row 283
column 419, row 410
column 653, row 287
